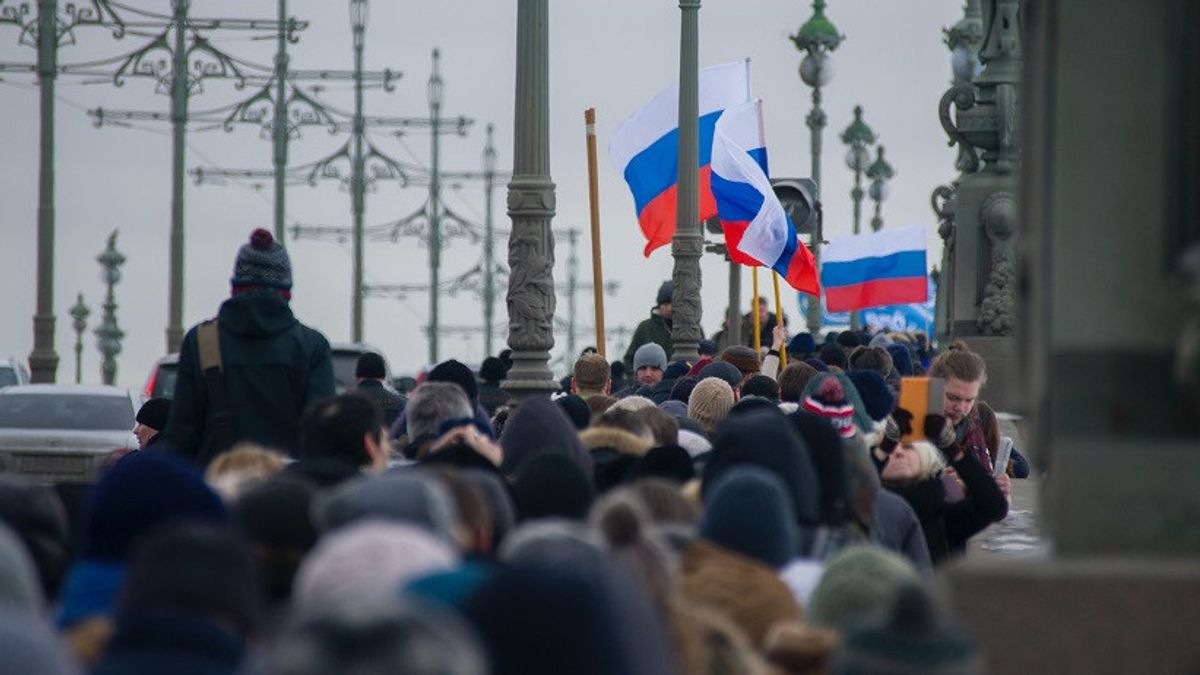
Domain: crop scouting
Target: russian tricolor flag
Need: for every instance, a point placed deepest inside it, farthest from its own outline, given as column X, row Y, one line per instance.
column 757, row 229
column 645, row 148
column 870, row 270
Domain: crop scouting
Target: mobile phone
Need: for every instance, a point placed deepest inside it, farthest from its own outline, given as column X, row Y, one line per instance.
column 921, row 396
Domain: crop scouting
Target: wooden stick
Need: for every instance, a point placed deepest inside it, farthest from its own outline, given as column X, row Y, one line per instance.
column 589, row 119
column 779, row 321
column 754, row 312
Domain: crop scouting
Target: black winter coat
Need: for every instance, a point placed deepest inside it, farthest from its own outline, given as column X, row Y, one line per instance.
column 948, row 526
column 274, row 366
column 388, row 402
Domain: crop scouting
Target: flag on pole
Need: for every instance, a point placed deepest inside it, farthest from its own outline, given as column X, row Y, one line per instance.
column 758, row 231
column 870, row 270
column 645, row 148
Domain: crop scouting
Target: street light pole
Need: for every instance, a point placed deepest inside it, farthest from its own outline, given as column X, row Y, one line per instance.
column 880, row 172
column 179, row 112
column 858, row 136
column 358, row 24
column 109, row 333
column 436, row 91
column 531, row 203
column 279, row 130
column 43, row 360
column 79, row 314
column 816, row 38
column 489, row 243
column 688, row 243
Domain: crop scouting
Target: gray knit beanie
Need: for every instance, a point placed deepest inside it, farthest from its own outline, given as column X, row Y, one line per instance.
column 650, row 354
column 262, row 262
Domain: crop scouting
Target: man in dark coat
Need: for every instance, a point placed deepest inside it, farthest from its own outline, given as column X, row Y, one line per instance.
column 370, row 372
column 273, row 366
column 656, row 328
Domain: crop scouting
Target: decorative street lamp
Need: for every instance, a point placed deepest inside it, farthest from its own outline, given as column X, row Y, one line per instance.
column 109, row 333
column 79, row 314
column 816, row 38
column 858, row 136
column 880, row 172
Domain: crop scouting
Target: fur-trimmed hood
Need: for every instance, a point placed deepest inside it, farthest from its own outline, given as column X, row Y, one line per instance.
column 620, row 440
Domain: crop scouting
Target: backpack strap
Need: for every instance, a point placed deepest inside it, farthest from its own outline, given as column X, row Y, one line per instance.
column 219, row 425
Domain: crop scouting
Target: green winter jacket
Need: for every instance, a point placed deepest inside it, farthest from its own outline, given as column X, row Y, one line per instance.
column 274, row 366
column 653, row 329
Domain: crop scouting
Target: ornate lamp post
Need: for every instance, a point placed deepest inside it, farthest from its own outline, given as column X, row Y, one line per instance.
column 858, row 136
column 688, row 244
column 79, row 314
column 109, row 333
column 816, row 38
column 880, row 172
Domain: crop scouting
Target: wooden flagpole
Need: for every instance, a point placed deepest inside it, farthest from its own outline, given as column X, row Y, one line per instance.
column 779, row 321
column 589, row 119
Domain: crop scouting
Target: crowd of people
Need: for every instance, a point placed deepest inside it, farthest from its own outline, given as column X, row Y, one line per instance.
column 744, row 512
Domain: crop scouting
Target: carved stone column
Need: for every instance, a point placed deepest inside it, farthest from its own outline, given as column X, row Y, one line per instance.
column 688, row 244
column 531, row 206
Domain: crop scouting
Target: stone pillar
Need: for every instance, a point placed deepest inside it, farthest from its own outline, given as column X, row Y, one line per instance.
column 1109, row 338
column 979, row 271
column 688, row 244
column 531, row 206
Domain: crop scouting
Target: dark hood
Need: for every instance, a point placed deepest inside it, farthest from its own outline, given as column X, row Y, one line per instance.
column 539, row 427
column 762, row 436
column 256, row 313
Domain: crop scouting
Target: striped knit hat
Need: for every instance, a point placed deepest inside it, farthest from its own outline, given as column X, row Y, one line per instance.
column 262, row 262
column 828, row 400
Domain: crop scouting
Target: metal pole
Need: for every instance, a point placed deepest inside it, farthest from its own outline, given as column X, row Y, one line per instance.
column 279, row 139
column 179, row 113
column 688, row 243
column 856, row 194
column 435, row 224
column 489, row 243
column 589, row 120
column 79, row 312
column 572, row 286
column 358, row 204
column 530, row 299
column 816, row 123
column 733, row 318
column 43, row 360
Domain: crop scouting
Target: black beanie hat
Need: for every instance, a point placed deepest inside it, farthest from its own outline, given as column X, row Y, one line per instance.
column 154, row 413
column 833, row 355
column 262, row 262
column 874, row 392
column 552, row 486
column 666, row 461
column 370, row 365
column 576, row 409
column 665, row 292
column 195, row 569
column 748, row 511
column 455, row 372
column 492, row 369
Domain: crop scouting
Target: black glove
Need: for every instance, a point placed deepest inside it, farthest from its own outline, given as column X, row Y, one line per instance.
column 891, row 431
column 940, row 432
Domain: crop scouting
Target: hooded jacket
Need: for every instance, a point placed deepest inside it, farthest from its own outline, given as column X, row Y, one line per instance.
column 653, row 329
column 273, row 366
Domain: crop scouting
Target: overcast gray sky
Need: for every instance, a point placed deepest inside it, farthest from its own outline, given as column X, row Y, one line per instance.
column 613, row 55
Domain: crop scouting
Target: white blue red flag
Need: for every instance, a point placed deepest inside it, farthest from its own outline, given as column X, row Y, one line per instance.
column 757, row 230
column 645, row 148
column 870, row 270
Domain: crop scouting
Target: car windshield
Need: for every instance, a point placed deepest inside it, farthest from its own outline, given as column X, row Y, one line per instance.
column 66, row 411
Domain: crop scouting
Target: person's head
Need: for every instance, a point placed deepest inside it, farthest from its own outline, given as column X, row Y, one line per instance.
column 661, row 425
column 262, row 263
column 198, row 570
column 591, row 376
column 761, row 385
column 965, row 374
column 648, row 363
column 744, row 358
column 151, row 419
column 243, row 466
column 370, row 366
column 492, row 369
column 346, row 427
column 912, row 461
column 793, row 379
column 431, row 404
column 710, row 402
column 707, row 347
column 763, row 311
column 663, row 300
column 456, row 372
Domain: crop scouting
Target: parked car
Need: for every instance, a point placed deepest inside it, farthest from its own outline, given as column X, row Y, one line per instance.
column 63, row 432
column 161, row 382
column 12, row 372
column 345, row 358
